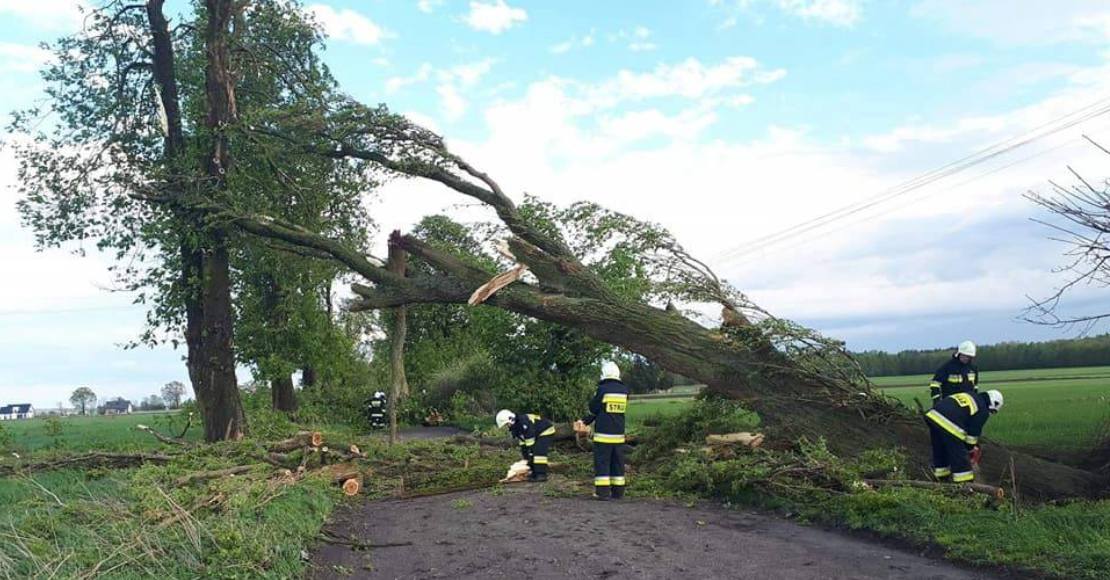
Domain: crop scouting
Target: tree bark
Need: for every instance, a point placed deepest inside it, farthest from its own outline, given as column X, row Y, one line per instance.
column 308, row 376
column 282, row 394
column 397, row 264
column 214, row 368
column 205, row 270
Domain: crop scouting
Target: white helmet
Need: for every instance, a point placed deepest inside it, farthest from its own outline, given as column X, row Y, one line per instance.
column 610, row 370
column 967, row 348
column 504, row 417
column 996, row 400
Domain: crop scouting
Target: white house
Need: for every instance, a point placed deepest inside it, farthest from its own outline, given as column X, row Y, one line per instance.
column 117, row 407
column 16, row 412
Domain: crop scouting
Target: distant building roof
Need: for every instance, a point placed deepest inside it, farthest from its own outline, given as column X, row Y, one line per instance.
column 17, row 408
column 121, row 404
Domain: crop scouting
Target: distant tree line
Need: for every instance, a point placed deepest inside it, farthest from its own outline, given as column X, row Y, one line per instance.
column 1079, row 352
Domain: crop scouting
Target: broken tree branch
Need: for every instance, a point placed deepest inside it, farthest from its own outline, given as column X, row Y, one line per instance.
column 163, row 438
column 995, row 492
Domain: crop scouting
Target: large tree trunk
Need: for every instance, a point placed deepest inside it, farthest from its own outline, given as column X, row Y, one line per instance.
column 215, row 367
column 308, row 376
column 205, row 272
column 397, row 263
column 282, row 395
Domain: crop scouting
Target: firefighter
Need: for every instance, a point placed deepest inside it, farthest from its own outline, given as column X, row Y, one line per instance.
column 958, row 375
column 955, row 424
column 376, row 409
column 607, row 410
column 535, row 435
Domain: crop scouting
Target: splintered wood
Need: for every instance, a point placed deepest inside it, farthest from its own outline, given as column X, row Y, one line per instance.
column 746, row 439
column 496, row 283
column 517, row 472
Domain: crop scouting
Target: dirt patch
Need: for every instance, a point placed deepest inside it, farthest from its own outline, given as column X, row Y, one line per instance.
column 521, row 533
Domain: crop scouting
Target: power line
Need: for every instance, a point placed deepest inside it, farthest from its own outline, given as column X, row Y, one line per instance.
column 1064, row 122
column 1069, row 143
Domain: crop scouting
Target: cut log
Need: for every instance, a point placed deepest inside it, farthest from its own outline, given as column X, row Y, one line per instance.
column 743, row 438
column 352, row 486
column 341, row 472
column 995, row 492
column 434, row 419
column 517, row 472
column 302, row 439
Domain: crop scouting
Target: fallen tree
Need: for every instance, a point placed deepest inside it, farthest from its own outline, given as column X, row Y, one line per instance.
column 799, row 383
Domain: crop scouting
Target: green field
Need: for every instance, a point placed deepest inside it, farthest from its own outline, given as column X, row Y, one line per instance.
column 639, row 410
column 995, row 379
column 1047, row 410
column 110, row 433
column 1065, row 414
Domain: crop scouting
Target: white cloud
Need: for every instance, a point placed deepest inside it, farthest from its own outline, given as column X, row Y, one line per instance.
column 843, row 13
column 451, row 84
column 348, row 25
column 835, row 12
column 688, row 79
column 494, row 18
column 20, row 58
column 428, row 6
column 394, row 84
column 1026, row 23
column 470, row 73
column 452, row 103
column 637, row 40
column 47, row 14
column 572, row 43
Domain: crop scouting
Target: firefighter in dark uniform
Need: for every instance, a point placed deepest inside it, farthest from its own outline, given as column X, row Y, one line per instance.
column 535, row 435
column 376, row 408
column 607, row 410
column 955, row 424
column 958, row 375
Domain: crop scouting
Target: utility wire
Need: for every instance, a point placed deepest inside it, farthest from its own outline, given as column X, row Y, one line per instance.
column 1047, row 129
column 1069, row 143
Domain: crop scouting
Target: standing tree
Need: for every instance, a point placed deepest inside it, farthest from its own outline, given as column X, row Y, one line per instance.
column 152, row 403
column 83, row 398
column 172, row 393
column 133, row 101
column 105, row 87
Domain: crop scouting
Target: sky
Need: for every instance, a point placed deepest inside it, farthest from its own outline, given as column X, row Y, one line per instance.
column 727, row 121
